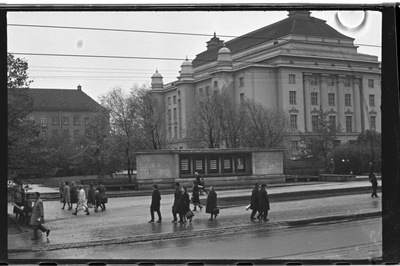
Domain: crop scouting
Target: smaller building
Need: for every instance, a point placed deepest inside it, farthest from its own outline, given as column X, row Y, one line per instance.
column 63, row 112
column 214, row 165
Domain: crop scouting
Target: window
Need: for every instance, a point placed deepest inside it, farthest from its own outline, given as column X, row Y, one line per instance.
column 242, row 98
column 293, row 121
column 314, row 121
column 65, row 120
column 169, row 100
column 207, row 90
column 54, row 132
column 169, row 116
column 199, row 165
column 371, row 83
column 372, row 122
column 87, row 120
column 201, row 91
column 331, row 99
column 372, row 100
column 330, row 81
column 43, row 121
column 174, row 99
column 313, row 80
column 66, row 132
column 349, row 124
column 175, row 116
column 176, row 131
column 292, row 78
column 241, row 82
column 292, row 97
column 55, row 120
column 76, row 120
column 294, row 145
column 170, row 132
column 76, row 132
column 347, row 99
column 332, row 121
column 314, row 98
column 215, row 86
column 346, row 82
column 43, row 133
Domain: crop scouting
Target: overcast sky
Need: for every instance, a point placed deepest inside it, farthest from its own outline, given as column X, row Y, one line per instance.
column 169, row 38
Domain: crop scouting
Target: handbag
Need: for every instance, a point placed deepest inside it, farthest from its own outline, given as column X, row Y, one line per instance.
column 105, row 200
column 174, row 209
column 90, row 205
column 216, row 211
column 189, row 214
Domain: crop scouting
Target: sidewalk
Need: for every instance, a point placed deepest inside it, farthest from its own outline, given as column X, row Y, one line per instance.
column 125, row 219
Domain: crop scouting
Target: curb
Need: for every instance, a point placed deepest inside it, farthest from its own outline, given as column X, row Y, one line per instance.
column 201, row 233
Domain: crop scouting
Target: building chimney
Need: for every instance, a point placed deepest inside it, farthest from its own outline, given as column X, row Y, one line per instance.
column 79, row 87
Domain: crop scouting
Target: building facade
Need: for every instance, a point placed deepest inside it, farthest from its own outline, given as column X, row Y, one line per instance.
column 298, row 65
column 63, row 112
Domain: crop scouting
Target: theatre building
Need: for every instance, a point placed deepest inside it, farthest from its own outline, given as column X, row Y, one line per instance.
column 298, row 65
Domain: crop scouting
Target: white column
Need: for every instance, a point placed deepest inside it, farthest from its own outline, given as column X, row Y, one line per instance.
column 306, row 102
column 340, row 110
column 357, row 105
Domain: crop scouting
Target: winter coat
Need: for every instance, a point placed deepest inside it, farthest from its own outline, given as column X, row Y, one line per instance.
column 91, row 196
column 18, row 194
column 37, row 212
column 102, row 191
column 196, row 195
column 211, row 202
column 81, row 196
column 155, row 201
column 254, row 200
column 183, row 203
column 177, row 195
column 263, row 200
column 74, row 194
column 67, row 194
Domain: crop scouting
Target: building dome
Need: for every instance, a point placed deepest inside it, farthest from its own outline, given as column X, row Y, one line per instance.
column 224, row 57
column 156, row 81
column 186, row 70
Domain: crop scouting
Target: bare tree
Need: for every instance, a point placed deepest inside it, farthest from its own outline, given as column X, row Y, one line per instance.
column 122, row 123
column 206, row 123
column 150, row 116
column 232, row 119
column 265, row 127
column 320, row 141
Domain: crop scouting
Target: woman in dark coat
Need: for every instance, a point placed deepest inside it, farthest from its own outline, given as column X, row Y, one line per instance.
column 211, row 205
column 37, row 218
column 263, row 202
column 183, row 205
column 196, row 196
column 91, row 195
column 155, row 204
column 74, row 195
column 254, row 205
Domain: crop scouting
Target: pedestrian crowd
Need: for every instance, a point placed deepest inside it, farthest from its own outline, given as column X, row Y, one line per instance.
column 182, row 201
column 70, row 195
column 96, row 198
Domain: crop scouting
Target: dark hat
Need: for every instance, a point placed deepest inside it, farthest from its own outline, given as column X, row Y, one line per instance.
column 177, row 184
column 263, row 185
column 37, row 194
column 155, row 186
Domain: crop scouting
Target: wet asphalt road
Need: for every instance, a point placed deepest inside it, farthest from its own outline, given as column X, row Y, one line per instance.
column 126, row 219
column 337, row 241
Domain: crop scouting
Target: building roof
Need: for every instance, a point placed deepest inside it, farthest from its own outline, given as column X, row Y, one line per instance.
column 62, row 100
column 297, row 23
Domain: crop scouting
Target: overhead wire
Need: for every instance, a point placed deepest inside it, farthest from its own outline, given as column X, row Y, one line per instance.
column 154, row 32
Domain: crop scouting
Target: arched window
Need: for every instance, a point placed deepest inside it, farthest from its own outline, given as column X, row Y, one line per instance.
column 215, row 85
